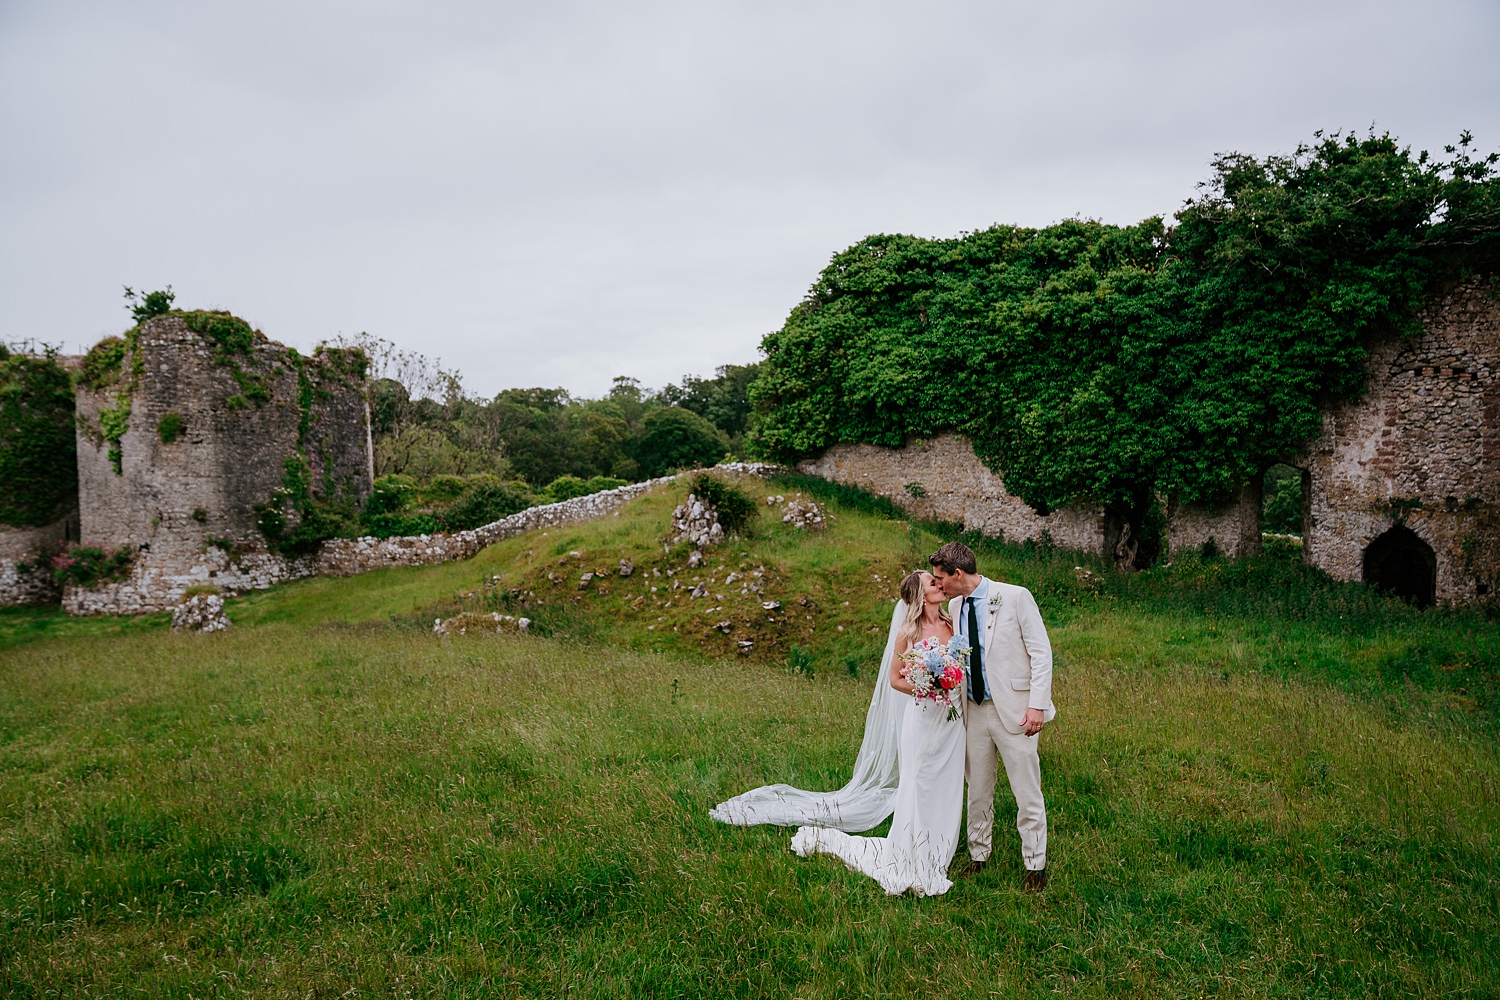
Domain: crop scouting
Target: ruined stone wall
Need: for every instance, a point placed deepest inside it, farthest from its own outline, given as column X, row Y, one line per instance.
column 151, row 588
column 25, row 576
column 1233, row 524
column 188, row 505
column 1421, row 447
column 941, row 479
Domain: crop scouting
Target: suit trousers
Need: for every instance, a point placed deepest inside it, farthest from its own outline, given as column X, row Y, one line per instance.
column 988, row 740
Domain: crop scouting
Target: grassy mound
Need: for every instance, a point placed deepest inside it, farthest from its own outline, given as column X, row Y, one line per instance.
column 1259, row 783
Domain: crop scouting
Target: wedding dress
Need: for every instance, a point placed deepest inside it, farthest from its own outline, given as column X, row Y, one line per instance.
column 911, row 762
column 869, row 796
column 929, row 804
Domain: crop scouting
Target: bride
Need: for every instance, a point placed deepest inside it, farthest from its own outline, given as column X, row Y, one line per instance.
column 922, row 780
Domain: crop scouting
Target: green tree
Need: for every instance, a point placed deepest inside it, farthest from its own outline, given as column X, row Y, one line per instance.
column 723, row 400
column 673, row 438
column 1123, row 364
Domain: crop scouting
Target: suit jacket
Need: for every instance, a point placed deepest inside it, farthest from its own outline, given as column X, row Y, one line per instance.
column 1018, row 655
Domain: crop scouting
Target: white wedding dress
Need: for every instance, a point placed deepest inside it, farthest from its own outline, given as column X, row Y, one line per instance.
column 912, row 762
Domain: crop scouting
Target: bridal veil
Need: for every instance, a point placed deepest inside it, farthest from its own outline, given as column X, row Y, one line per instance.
column 869, row 796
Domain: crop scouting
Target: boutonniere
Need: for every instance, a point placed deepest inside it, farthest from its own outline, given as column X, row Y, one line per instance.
column 994, row 602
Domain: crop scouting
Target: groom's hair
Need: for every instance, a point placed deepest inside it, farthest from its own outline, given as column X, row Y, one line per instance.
column 953, row 557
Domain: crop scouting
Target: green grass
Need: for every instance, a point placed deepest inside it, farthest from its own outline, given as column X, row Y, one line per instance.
column 1260, row 784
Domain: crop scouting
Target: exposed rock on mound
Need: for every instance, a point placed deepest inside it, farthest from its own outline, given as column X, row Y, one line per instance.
column 200, row 613
column 805, row 515
column 697, row 522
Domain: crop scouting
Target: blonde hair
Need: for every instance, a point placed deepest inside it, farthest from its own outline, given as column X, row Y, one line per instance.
column 912, row 593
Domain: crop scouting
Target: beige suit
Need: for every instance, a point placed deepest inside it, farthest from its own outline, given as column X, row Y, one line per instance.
column 1018, row 671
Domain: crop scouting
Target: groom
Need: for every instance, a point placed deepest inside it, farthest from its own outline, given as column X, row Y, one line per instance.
column 1010, row 699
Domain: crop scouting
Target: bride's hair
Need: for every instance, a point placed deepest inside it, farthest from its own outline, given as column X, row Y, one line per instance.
column 911, row 593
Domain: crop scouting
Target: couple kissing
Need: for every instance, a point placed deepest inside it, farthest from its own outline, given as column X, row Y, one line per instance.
column 965, row 686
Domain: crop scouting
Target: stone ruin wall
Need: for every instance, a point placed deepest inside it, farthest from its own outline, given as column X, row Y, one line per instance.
column 351, row 556
column 954, row 485
column 1421, row 447
column 170, row 499
column 24, row 576
column 1232, row 524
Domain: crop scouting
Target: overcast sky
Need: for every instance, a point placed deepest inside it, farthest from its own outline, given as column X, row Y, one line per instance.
column 557, row 193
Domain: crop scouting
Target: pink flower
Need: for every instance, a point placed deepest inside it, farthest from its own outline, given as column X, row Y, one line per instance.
column 952, row 677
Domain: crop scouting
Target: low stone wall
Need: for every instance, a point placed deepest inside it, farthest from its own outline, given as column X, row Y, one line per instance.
column 941, row 479
column 28, row 547
column 154, row 587
column 1233, row 525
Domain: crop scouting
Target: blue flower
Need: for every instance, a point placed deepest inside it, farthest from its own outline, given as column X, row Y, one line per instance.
column 934, row 660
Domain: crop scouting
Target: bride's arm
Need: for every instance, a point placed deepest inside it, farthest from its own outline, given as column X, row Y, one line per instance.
column 897, row 681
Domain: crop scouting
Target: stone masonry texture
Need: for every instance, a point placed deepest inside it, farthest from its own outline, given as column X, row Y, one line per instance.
column 188, row 506
column 1421, row 448
column 941, row 479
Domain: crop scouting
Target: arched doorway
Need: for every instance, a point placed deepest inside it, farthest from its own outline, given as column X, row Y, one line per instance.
column 1400, row 563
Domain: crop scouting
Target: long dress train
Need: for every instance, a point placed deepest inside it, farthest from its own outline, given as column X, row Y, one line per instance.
column 928, row 807
column 869, row 796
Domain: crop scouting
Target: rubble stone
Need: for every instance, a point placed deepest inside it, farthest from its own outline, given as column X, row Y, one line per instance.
column 200, row 613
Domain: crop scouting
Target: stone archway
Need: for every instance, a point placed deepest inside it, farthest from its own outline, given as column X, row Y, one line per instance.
column 1400, row 563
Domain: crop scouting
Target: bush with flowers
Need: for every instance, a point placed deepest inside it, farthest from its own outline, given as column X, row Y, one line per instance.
column 84, row 565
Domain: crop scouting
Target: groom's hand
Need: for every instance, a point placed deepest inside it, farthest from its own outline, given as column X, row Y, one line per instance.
column 1033, row 722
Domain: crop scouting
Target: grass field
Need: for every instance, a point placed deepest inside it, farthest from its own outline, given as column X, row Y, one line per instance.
column 1260, row 784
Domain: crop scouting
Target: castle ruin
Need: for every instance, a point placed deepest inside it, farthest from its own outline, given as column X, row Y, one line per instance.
column 185, row 440
column 1401, row 489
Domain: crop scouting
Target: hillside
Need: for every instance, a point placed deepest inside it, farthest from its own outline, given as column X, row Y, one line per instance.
column 1259, row 783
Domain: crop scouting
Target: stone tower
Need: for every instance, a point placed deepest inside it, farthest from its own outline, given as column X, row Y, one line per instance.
column 187, row 428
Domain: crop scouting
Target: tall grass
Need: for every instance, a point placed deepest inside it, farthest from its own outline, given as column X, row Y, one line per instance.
column 285, row 810
column 1260, row 783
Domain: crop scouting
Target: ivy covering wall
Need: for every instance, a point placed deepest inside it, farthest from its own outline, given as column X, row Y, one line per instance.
column 1089, row 361
column 38, row 452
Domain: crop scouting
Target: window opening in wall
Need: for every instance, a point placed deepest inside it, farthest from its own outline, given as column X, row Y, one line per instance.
column 1282, row 509
column 1401, row 564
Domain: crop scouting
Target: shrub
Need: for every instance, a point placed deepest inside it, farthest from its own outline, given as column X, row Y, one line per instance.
column 143, row 307
column 567, row 487
column 170, row 427
column 445, row 487
column 398, row 525
column 85, row 565
column 390, row 495
column 101, row 365
column 484, row 503
column 736, row 508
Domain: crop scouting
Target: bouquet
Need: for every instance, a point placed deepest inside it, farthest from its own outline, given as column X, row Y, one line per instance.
column 935, row 670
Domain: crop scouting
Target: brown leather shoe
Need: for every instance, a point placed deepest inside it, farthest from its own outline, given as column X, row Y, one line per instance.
column 971, row 869
column 1035, row 881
